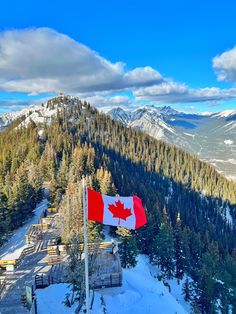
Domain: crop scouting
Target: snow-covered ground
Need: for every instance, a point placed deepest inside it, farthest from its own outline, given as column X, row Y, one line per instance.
column 228, row 142
column 16, row 243
column 141, row 293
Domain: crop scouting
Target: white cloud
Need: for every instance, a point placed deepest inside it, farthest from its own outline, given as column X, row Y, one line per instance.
column 42, row 60
column 105, row 103
column 174, row 93
column 225, row 65
column 143, row 76
column 12, row 105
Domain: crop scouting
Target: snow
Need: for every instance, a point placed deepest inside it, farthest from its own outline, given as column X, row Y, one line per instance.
column 189, row 134
column 229, row 126
column 49, row 300
column 16, row 243
column 228, row 216
column 230, row 177
column 40, row 133
column 141, row 293
column 230, row 161
column 226, row 113
column 38, row 113
column 228, row 142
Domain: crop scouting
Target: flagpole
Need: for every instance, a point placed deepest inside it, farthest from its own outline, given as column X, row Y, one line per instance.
column 85, row 244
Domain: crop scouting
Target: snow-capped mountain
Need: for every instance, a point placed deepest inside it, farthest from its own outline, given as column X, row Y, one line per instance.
column 211, row 137
column 225, row 114
column 38, row 113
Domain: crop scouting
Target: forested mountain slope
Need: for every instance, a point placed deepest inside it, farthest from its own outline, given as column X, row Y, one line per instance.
column 210, row 136
column 191, row 208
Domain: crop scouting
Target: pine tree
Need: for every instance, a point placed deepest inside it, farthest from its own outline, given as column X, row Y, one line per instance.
column 75, row 273
column 63, row 173
column 71, row 211
column 179, row 254
column 128, row 250
column 4, row 216
column 163, row 250
column 186, row 290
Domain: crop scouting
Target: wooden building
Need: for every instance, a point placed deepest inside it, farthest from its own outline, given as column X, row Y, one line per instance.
column 107, row 271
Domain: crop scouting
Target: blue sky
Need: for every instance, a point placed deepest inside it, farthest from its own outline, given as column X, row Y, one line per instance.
column 177, row 39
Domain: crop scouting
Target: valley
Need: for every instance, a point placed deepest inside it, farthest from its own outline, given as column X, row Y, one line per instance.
column 210, row 137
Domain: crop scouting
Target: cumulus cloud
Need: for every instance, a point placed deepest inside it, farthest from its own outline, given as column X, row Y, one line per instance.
column 12, row 105
column 175, row 93
column 225, row 65
column 42, row 60
column 105, row 103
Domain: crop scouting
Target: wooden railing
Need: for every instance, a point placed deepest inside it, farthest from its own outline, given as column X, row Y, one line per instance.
column 3, row 283
column 54, row 259
column 4, row 263
column 29, row 250
column 34, row 234
column 64, row 249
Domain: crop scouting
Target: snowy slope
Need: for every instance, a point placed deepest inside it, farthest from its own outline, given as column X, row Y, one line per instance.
column 225, row 114
column 38, row 113
column 16, row 243
column 140, row 294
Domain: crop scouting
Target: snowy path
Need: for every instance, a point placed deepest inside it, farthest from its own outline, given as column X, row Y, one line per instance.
column 16, row 243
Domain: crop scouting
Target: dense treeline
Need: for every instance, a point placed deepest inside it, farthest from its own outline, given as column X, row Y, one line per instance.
column 187, row 201
column 20, row 182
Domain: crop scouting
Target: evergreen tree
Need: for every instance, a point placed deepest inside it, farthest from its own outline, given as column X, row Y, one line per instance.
column 163, row 250
column 128, row 250
column 179, row 253
column 186, row 290
column 128, row 162
column 75, row 274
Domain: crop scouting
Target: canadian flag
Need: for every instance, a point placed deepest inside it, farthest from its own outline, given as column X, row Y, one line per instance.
column 126, row 212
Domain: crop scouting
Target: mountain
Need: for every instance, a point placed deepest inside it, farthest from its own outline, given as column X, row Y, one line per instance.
column 211, row 137
column 190, row 207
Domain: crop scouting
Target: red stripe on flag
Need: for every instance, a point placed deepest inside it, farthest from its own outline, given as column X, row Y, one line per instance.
column 139, row 212
column 95, row 206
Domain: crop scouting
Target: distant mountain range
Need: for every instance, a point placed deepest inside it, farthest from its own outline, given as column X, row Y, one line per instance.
column 211, row 137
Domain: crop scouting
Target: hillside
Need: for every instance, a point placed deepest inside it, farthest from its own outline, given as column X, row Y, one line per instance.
column 196, row 133
column 140, row 293
column 191, row 208
column 210, row 137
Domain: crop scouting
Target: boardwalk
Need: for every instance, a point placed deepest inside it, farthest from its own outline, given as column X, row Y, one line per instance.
column 16, row 282
column 24, row 274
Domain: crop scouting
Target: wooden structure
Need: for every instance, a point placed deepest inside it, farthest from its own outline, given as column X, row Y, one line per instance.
column 62, row 249
column 107, row 271
column 55, row 275
column 52, row 210
column 54, row 259
column 4, row 263
column 10, row 265
column 34, row 234
column 46, row 220
column 107, row 268
column 2, row 285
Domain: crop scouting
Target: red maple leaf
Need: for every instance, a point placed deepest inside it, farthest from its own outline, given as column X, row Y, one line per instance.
column 119, row 211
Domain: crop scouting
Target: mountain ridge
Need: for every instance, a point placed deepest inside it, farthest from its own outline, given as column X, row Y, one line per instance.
column 210, row 137
column 196, row 133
